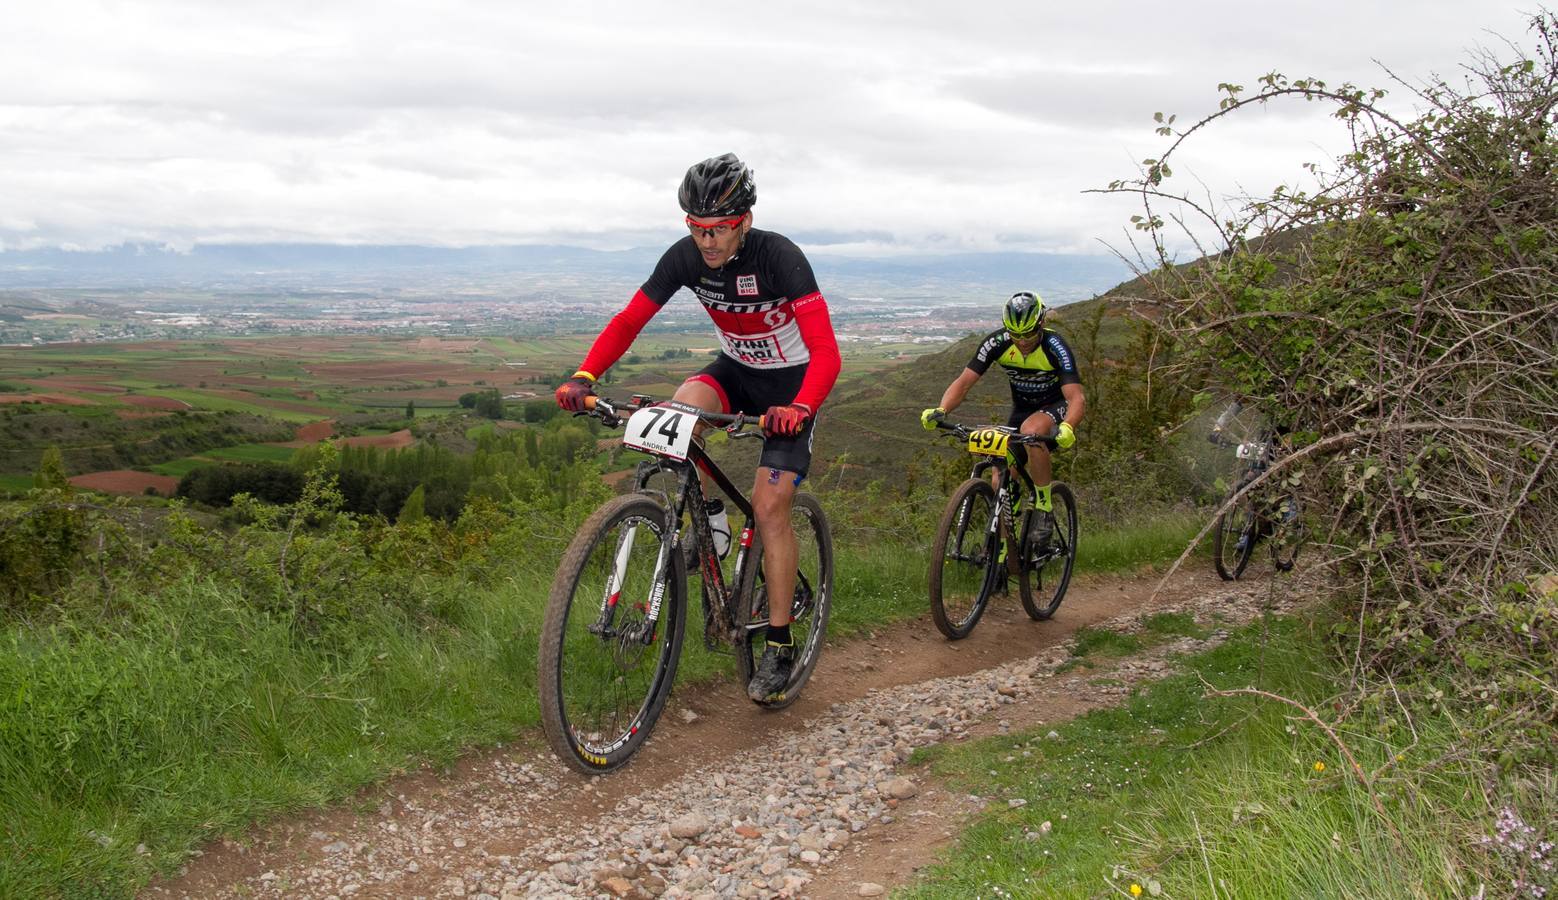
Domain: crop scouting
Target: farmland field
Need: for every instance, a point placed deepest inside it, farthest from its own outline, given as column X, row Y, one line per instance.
column 168, row 407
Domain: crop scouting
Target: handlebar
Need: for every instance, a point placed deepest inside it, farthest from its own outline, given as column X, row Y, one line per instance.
column 1015, row 436
column 611, row 413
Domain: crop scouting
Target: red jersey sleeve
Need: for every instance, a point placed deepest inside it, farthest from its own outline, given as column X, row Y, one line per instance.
column 811, row 317
column 618, row 335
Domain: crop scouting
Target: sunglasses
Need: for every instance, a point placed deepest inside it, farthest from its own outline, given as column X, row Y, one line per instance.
column 718, row 229
column 1022, row 335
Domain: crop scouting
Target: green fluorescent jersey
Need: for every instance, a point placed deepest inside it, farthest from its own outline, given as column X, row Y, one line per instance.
column 1037, row 377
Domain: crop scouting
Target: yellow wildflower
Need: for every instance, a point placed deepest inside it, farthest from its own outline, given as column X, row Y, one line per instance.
column 1319, row 767
column 1135, row 890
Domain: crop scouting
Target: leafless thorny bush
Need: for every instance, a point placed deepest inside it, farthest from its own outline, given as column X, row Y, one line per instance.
column 1402, row 321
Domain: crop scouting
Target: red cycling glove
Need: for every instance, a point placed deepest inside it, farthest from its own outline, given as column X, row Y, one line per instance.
column 571, row 393
column 786, row 421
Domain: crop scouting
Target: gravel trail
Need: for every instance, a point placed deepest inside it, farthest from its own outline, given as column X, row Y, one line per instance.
column 727, row 801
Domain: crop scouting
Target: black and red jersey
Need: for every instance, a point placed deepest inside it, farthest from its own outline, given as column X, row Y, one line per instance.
column 767, row 310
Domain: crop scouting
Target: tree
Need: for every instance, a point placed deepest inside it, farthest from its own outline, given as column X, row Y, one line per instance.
column 411, row 409
column 414, row 508
column 489, row 404
column 50, row 474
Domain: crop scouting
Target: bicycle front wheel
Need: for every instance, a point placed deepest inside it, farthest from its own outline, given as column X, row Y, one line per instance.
column 962, row 564
column 1233, row 540
column 611, row 635
column 1287, row 535
column 809, row 607
column 1047, row 563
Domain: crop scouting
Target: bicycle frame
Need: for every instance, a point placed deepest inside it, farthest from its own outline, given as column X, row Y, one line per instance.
column 719, row 596
column 720, row 600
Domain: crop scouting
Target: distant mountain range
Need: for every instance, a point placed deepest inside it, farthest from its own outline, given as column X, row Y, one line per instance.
column 141, row 266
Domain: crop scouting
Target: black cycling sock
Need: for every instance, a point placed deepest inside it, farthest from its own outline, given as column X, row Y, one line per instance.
column 779, row 635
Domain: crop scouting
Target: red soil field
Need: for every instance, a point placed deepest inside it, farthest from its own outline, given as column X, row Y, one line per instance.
column 61, row 399
column 124, row 481
column 71, row 384
column 314, row 432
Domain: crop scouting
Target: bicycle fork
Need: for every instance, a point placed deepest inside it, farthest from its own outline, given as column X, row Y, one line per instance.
column 616, row 580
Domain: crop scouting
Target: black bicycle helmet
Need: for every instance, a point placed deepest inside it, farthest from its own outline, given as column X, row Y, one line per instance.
column 721, row 186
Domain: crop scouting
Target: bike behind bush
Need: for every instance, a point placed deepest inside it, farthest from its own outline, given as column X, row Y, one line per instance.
column 1260, row 514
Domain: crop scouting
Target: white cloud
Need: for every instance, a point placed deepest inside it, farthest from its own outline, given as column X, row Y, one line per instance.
column 970, row 127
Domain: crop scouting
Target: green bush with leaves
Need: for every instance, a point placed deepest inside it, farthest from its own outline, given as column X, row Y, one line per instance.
column 1401, row 321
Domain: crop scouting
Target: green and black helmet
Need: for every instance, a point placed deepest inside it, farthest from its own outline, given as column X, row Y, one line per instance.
column 1024, row 314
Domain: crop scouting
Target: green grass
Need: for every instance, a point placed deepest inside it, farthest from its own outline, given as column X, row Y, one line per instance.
column 202, row 400
column 204, row 714
column 15, row 483
column 1149, row 541
column 253, row 453
column 178, row 468
column 1209, row 797
column 196, row 714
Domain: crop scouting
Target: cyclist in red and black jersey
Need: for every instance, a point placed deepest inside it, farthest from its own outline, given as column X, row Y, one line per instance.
column 778, row 358
column 1047, row 397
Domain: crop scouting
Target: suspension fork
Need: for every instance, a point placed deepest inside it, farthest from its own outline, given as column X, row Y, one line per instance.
column 616, row 579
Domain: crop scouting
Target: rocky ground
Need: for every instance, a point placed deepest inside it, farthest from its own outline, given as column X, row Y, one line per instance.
column 727, row 800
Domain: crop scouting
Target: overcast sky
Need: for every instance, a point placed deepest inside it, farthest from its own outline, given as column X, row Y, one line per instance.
column 892, row 126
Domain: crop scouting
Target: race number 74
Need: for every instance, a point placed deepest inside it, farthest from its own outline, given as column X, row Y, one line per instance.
column 661, row 430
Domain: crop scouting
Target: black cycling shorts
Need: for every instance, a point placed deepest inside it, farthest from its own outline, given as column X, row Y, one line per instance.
column 753, row 391
column 1020, row 413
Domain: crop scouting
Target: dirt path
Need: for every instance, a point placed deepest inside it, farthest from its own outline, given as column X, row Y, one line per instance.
column 725, row 798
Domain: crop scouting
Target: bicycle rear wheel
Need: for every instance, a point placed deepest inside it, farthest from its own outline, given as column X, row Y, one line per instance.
column 809, row 607
column 962, row 569
column 1233, row 540
column 605, row 668
column 1046, row 567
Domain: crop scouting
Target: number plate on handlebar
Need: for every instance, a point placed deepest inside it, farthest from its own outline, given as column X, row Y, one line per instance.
column 661, row 430
column 1250, row 451
column 987, row 442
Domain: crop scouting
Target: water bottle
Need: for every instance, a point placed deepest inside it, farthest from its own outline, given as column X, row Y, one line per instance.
column 719, row 523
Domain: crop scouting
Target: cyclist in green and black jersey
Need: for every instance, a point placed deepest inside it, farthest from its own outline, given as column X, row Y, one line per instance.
column 1047, row 396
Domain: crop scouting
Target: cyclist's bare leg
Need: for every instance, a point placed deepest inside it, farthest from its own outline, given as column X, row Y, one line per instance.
column 1038, row 455
column 771, row 501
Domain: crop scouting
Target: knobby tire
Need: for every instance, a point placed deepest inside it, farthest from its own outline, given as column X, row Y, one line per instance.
column 963, row 566
column 813, row 599
column 1046, row 571
column 602, row 695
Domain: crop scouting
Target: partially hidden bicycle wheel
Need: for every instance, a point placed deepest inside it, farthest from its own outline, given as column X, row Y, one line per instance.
column 1233, row 540
column 605, row 666
column 962, row 572
column 1047, row 564
column 809, row 608
column 1287, row 535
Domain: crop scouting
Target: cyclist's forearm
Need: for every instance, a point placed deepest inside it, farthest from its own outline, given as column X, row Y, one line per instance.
column 1076, row 403
column 953, row 396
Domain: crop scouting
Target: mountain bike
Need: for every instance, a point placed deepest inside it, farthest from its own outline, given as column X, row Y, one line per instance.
column 616, row 615
column 1257, row 515
column 977, row 546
